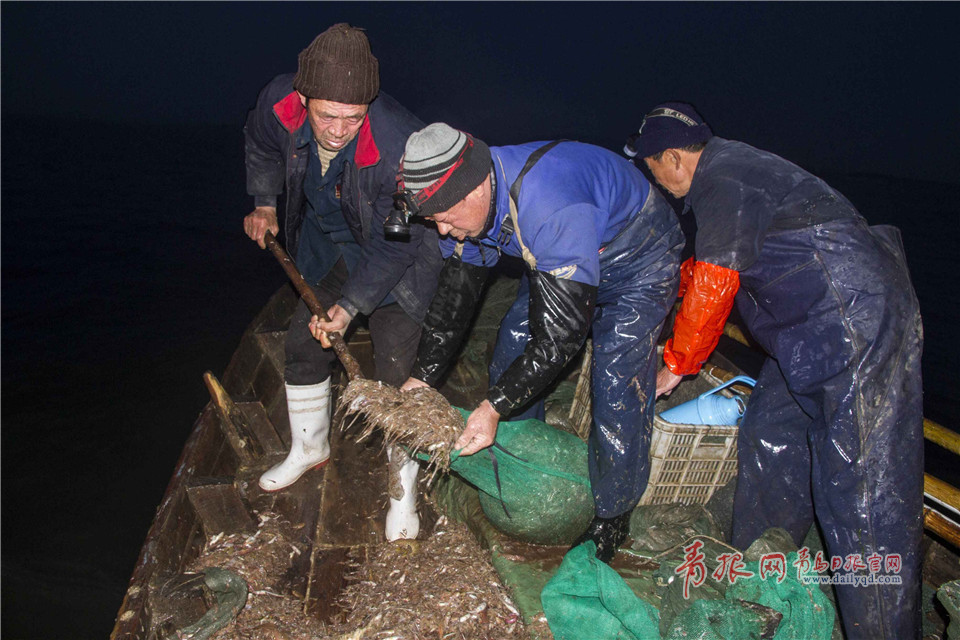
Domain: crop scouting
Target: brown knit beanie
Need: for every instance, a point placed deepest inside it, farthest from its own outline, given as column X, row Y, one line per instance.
column 339, row 66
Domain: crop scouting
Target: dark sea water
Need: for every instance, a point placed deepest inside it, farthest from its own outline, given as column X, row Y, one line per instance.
column 126, row 275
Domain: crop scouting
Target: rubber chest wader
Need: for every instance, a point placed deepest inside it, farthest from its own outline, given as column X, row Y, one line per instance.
column 834, row 427
column 639, row 271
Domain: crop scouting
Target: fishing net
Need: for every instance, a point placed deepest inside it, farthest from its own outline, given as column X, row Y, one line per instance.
column 533, row 482
column 720, row 506
column 587, row 599
column 807, row 613
column 657, row 527
column 949, row 596
column 227, row 592
column 773, row 540
column 722, row 620
column 674, row 602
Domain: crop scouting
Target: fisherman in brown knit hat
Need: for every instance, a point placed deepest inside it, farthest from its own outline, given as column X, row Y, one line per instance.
column 331, row 140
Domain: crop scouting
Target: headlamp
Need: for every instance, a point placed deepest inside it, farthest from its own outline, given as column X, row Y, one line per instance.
column 630, row 148
column 398, row 221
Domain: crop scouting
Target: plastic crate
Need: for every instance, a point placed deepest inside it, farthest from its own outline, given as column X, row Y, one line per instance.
column 581, row 410
column 689, row 462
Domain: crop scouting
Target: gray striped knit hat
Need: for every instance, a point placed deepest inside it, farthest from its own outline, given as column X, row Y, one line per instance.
column 441, row 165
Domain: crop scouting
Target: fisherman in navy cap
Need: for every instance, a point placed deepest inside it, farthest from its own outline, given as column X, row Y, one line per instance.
column 834, row 429
column 601, row 249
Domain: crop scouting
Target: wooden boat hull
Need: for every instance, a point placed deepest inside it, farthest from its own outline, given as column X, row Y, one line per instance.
column 214, row 488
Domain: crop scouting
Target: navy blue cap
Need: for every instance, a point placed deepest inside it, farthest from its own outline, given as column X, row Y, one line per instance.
column 671, row 125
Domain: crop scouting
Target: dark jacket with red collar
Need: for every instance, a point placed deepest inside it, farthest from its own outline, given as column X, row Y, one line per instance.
column 274, row 163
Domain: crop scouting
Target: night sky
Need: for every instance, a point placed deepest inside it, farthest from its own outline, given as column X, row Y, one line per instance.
column 854, row 87
column 126, row 273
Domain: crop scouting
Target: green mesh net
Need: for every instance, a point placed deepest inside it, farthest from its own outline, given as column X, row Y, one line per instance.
column 588, row 599
column 654, row 528
column 719, row 620
column 807, row 613
column 533, row 483
column 949, row 596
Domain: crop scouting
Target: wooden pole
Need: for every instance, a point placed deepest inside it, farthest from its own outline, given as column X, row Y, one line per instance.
column 942, row 491
column 949, row 440
column 310, row 298
column 949, row 531
column 721, row 374
column 734, row 332
column 725, row 376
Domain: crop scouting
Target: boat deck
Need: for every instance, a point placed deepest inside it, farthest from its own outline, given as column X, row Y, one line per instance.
column 335, row 514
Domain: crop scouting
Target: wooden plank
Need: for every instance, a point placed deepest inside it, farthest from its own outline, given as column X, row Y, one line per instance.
column 219, row 506
column 939, row 561
column 327, row 580
column 243, row 365
column 262, row 428
column 233, row 422
column 300, row 503
column 275, row 316
column 353, row 510
column 273, row 319
column 272, row 346
column 268, row 383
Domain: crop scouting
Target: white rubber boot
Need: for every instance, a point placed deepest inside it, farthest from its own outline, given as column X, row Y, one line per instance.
column 309, row 409
column 403, row 523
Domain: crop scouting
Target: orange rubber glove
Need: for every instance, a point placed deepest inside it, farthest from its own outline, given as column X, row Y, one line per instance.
column 707, row 303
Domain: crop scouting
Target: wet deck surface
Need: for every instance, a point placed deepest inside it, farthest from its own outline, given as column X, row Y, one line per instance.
column 342, row 506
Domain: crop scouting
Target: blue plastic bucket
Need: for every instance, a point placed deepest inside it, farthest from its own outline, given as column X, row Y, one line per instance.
column 711, row 408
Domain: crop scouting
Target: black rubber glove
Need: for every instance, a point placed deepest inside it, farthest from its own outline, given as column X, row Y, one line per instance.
column 561, row 312
column 448, row 318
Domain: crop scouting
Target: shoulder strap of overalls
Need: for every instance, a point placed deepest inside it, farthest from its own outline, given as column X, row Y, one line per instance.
column 515, row 196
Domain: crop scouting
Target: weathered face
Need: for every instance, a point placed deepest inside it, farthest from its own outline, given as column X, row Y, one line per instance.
column 670, row 173
column 334, row 124
column 467, row 218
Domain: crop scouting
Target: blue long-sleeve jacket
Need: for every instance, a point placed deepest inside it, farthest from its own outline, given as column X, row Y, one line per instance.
column 275, row 164
column 572, row 203
column 574, row 200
